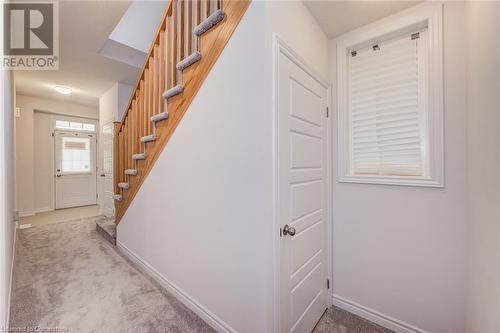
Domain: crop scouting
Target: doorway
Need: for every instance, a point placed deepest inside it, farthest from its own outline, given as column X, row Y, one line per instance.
column 302, row 164
column 75, row 164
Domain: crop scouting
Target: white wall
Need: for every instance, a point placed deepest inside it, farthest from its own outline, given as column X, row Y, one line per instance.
column 25, row 177
column 112, row 103
column 400, row 250
column 7, row 226
column 108, row 105
column 124, row 93
column 34, row 151
column 27, row 103
column 483, row 165
column 195, row 219
column 43, row 162
column 203, row 219
column 138, row 25
column 295, row 25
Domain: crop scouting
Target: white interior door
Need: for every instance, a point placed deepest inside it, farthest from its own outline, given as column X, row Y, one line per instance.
column 76, row 183
column 302, row 195
column 108, row 204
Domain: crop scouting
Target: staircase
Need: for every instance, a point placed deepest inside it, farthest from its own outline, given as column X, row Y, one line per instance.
column 190, row 38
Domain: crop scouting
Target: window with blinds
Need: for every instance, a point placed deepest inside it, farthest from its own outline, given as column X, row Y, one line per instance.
column 386, row 104
column 75, row 155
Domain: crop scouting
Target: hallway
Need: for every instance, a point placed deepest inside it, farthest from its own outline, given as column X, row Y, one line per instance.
column 67, row 276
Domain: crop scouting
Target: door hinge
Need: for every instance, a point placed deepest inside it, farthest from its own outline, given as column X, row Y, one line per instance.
column 281, row 232
column 328, row 284
column 97, row 195
column 327, row 112
column 52, row 133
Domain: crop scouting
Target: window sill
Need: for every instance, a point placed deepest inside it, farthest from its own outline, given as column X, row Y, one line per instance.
column 392, row 180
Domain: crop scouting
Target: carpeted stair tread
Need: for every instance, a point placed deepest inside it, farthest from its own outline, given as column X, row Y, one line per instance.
column 107, row 228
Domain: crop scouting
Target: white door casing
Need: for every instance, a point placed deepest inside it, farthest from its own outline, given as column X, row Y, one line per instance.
column 302, row 195
column 75, row 164
column 108, row 204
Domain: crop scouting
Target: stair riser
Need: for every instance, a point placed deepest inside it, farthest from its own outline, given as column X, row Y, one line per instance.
column 105, row 234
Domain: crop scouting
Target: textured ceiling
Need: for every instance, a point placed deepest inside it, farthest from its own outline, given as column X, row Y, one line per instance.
column 84, row 26
column 339, row 17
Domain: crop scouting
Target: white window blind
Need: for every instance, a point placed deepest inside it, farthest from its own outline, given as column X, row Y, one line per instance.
column 386, row 102
column 75, row 155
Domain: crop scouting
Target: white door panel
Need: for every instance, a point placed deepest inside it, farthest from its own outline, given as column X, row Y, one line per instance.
column 76, row 184
column 306, row 291
column 302, row 193
column 305, row 198
column 305, row 100
column 306, row 151
column 305, row 245
column 108, row 203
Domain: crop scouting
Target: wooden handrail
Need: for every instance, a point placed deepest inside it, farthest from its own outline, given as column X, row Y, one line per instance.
column 173, row 43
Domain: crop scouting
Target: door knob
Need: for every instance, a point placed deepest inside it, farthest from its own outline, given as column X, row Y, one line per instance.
column 287, row 230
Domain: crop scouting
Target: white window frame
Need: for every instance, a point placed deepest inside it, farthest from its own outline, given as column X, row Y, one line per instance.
column 55, row 118
column 92, row 159
column 427, row 15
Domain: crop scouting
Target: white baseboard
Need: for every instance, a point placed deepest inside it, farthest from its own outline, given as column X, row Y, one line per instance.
column 36, row 211
column 26, row 214
column 11, row 275
column 218, row 324
column 386, row 321
column 42, row 210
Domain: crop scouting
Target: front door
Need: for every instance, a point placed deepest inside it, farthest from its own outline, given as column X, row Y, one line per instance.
column 302, row 194
column 76, row 183
column 108, row 203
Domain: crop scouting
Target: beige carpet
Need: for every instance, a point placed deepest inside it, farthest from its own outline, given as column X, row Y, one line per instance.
column 60, row 215
column 67, row 276
column 336, row 320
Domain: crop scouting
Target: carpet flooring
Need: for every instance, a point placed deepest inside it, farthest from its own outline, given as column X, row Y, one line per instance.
column 61, row 215
column 336, row 320
column 67, row 278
